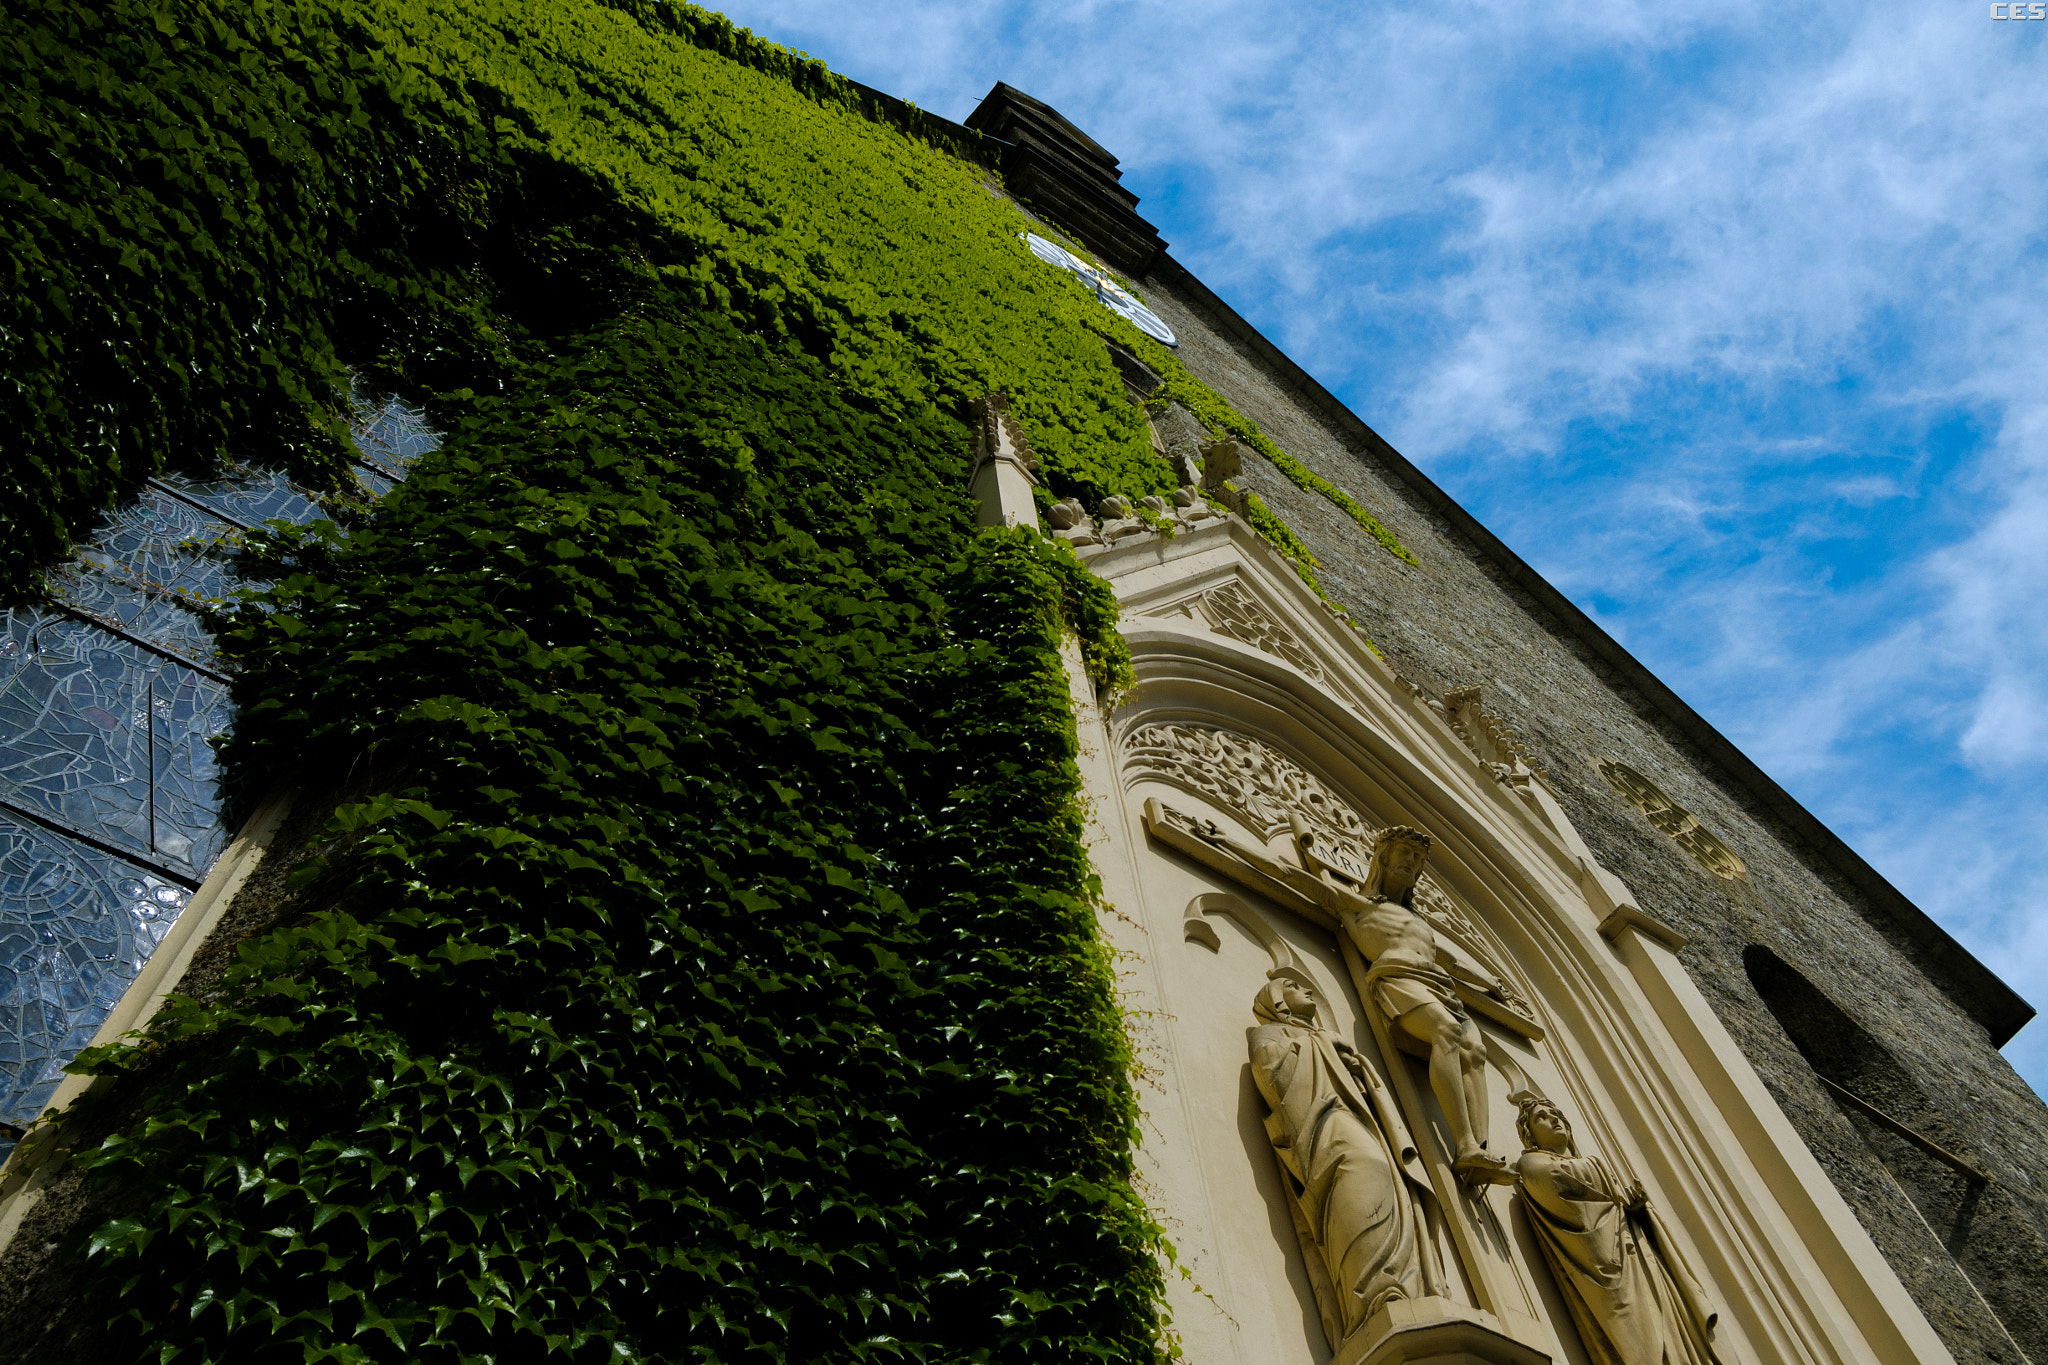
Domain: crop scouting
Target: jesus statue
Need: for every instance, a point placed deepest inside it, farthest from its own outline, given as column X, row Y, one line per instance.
column 1412, row 980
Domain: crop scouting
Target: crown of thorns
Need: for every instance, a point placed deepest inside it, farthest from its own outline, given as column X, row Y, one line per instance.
column 1403, row 834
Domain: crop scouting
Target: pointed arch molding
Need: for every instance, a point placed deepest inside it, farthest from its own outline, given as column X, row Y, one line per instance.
column 1322, row 737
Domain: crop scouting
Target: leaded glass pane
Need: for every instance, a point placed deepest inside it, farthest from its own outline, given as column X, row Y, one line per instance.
column 391, row 434
column 160, row 544
column 374, row 482
column 160, row 618
column 74, row 731
column 189, row 710
column 76, row 925
column 251, row 496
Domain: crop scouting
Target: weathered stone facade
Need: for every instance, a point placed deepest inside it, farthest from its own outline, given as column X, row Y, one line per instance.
column 1811, row 966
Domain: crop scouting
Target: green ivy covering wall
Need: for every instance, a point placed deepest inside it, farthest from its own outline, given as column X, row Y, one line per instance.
column 711, row 974
column 717, row 979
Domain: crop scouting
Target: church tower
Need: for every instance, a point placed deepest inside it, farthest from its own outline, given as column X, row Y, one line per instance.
column 656, row 707
column 1771, row 1081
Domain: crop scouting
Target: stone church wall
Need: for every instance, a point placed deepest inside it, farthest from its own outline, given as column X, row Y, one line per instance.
column 1814, row 966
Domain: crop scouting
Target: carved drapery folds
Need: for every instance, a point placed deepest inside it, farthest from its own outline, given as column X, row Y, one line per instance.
column 1630, row 1293
column 1340, row 1144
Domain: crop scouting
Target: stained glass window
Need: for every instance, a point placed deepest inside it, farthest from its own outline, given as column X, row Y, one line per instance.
column 247, row 496
column 111, row 694
column 78, row 925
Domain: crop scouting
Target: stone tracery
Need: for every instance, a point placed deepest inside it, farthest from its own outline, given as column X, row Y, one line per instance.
column 1236, row 613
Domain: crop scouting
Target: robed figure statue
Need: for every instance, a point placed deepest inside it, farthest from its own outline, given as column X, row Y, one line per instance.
column 1344, row 1159
column 1631, row 1296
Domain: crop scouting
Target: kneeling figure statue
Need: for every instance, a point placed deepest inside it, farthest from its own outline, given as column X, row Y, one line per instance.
column 1631, row 1296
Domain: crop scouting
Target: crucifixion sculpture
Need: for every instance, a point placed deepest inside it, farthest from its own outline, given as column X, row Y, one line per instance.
column 1412, row 980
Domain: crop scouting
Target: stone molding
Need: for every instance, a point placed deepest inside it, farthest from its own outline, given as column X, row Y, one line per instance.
column 1152, row 518
column 1439, row 1332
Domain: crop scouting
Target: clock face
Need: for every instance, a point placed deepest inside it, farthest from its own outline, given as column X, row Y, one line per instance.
column 1113, row 297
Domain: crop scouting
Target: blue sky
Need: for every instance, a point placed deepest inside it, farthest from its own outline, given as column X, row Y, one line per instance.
column 1731, row 318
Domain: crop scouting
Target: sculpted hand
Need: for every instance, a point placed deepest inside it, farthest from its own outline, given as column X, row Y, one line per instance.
column 1487, row 1169
column 1637, row 1197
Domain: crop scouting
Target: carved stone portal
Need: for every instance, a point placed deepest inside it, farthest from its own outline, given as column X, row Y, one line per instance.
column 1362, row 1197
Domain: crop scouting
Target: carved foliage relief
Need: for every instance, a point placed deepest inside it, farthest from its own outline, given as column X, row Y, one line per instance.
column 1244, row 776
column 1671, row 819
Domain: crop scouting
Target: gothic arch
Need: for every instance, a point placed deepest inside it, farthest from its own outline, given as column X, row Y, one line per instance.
column 1226, row 642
